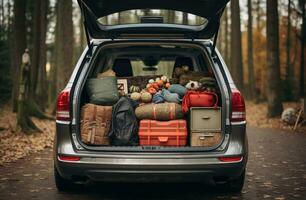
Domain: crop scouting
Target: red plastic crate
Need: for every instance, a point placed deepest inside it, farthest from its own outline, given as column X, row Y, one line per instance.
column 160, row 133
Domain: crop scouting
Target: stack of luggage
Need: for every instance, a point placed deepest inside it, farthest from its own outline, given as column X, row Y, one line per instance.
column 156, row 111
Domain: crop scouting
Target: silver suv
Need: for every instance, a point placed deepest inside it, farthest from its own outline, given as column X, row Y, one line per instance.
column 147, row 30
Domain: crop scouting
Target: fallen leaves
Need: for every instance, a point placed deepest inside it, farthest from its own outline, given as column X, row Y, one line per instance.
column 257, row 116
column 15, row 145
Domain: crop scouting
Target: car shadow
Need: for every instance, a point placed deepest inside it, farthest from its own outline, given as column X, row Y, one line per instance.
column 134, row 191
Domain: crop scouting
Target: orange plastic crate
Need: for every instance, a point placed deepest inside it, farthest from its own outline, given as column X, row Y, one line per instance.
column 161, row 133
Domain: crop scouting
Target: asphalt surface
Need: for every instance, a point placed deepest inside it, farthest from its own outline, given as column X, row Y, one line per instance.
column 276, row 170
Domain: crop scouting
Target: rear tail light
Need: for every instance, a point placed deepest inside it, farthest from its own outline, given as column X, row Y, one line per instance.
column 62, row 107
column 69, row 158
column 231, row 159
column 238, row 107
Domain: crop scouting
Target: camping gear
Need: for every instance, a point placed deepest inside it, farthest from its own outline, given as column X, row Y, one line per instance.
column 205, row 139
column 140, row 81
column 179, row 89
column 209, row 84
column 164, row 79
column 152, row 90
column 161, row 112
column 205, row 119
column 107, row 73
column 178, row 72
column 134, row 88
column 136, row 96
column 158, row 98
column 95, row 124
column 102, row 91
column 199, row 99
column 171, row 97
column 205, row 126
column 192, row 76
column 124, row 126
column 157, row 133
column 193, row 85
column 146, row 97
column 290, row 116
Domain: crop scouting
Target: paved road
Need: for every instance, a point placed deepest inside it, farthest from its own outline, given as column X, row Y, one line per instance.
column 276, row 170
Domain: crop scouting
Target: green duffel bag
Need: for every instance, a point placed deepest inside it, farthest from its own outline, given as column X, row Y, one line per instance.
column 102, row 91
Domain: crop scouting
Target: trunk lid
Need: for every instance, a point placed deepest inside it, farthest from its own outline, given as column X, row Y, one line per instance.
column 209, row 10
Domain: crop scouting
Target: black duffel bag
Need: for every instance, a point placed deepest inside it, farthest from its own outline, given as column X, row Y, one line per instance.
column 124, row 127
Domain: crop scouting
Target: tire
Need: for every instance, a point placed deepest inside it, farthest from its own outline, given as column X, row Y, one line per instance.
column 233, row 185
column 63, row 184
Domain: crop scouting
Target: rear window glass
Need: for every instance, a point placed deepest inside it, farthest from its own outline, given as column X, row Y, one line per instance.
column 165, row 16
column 163, row 67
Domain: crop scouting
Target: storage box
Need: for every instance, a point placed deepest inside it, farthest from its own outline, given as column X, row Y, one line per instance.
column 157, row 133
column 205, row 119
column 205, row 139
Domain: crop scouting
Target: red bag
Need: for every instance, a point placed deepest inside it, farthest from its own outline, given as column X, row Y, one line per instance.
column 199, row 99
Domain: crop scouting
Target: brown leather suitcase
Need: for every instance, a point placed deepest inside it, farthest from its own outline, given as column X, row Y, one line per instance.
column 95, row 124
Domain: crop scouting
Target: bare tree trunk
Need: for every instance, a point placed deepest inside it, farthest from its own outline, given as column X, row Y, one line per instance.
column 2, row 22
column 275, row 107
column 119, row 18
column 185, row 18
column 288, row 46
column 64, row 43
column 42, row 95
column 303, row 44
column 289, row 83
column 236, row 51
column 251, row 92
column 19, row 45
column 82, row 34
column 171, row 16
column 258, row 19
column 23, row 118
column 146, row 12
column 9, row 25
column 36, row 48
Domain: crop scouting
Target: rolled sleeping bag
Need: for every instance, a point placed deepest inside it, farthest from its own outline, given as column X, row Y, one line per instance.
column 161, row 112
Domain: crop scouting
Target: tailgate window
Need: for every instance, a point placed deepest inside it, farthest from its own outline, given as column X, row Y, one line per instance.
column 157, row 15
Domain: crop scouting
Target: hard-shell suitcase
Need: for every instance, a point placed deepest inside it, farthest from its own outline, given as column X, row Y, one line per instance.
column 95, row 124
column 157, row 133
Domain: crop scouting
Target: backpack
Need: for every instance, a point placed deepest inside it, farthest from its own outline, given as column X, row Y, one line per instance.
column 124, row 127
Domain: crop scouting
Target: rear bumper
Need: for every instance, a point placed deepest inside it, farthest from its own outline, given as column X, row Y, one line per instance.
column 148, row 167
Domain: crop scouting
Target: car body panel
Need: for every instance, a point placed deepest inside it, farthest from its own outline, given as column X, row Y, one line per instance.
column 144, row 166
column 94, row 9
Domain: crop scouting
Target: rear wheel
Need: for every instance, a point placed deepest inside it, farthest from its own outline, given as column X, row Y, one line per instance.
column 233, row 185
column 63, row 184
